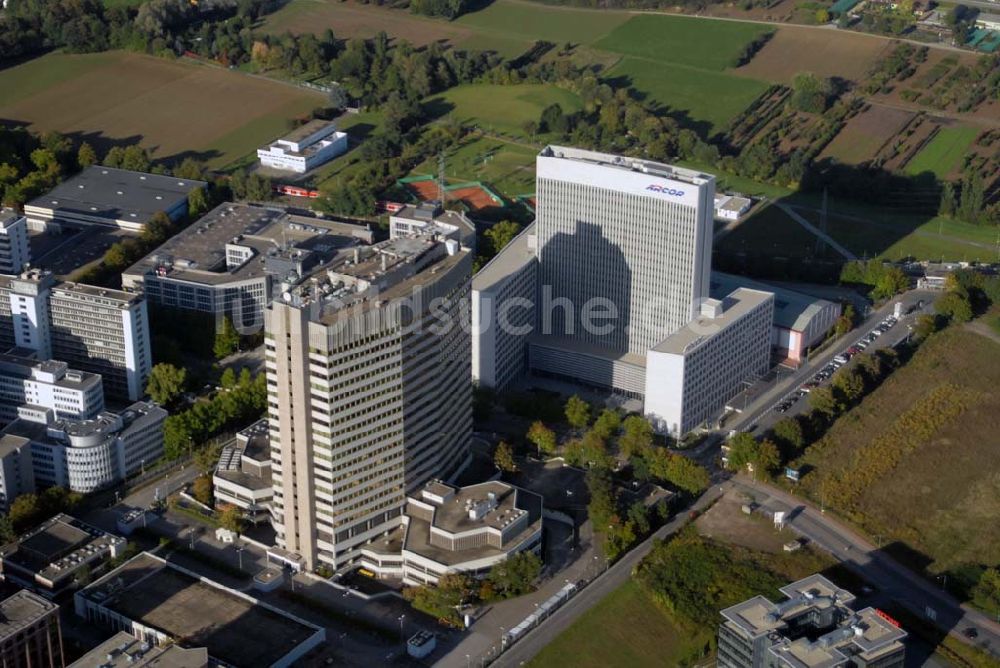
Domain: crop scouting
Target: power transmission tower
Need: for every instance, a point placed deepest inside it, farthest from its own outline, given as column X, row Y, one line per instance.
column 822, row 225
column 441, row 181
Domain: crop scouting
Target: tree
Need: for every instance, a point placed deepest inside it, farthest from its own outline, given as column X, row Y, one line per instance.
column 197, row 202
column 7, row 533
column 954, row 305
column 577, row 412
column 227, row 339
column 201, row 489
column 788, row 432
column 542, row 437
column 86, row 156
column 166, row 382
column 607, row 423
column 231, row 519
column 849, row 383
column 228, row 379
column 515, row 575
column 136, row 159
column 892, row 282
column 746, row 452
column 553, row 120
column 503, row 458
column 25, row 512
column 823, row 400
column 636, row 437
column 986, row 593
column 686, row 474
column 845, row 322
column 768, row 457
column 501, row 234
column 638, row 515
column 810, row 93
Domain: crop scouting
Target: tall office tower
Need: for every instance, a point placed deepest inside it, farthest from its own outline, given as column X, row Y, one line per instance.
column 105, row 332
column 368, row 371
column 635, row 234
column 92, row 329
column 14, row 251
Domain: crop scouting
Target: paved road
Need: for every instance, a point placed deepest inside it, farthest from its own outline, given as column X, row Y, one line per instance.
column 895, row 582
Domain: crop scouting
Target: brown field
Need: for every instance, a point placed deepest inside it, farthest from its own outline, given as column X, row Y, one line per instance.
column 942, row 496
column 473, row 197
column 171, row 108
column 825, row 53
column 866, row 133
column 347, row 19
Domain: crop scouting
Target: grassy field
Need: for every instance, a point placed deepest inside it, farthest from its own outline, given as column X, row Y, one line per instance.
column 531, row 21
column 625, row 630
column 508, row 167
column 827, row 53
column 699, row 43
column 866, row 133
column 502, row 109
column 172, row 108
column 706, row 98
column 773, row 232
column 938, row 488
column 943, row 154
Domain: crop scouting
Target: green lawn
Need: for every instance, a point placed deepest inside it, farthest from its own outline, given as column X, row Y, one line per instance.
column 508, row 167
column 943, row 153
column 700, row 43
column 773, row 232
column 502, row 109
column 625, row 630
column 708, row 98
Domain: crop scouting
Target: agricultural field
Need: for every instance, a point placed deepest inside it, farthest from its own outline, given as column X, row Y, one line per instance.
column 865, row 134
column 943, row 154
column 174, row 109
column 698, row 43
column 501, row 109
column 938, row 489
column 825, row 53
column 625, row 630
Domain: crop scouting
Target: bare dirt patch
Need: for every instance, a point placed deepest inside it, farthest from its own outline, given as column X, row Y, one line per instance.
column 865, row 134
column 726, row 522
column 833, row 53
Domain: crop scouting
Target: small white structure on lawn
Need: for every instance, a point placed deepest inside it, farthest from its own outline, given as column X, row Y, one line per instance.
column 304, row 148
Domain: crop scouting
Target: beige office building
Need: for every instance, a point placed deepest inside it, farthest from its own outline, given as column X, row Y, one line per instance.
column 369, row 392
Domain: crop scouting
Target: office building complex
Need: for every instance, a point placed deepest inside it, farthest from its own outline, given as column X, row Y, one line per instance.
column 698, row 368
column 238, row 257
column 50, row 387
column 448, row 529
column 92, row 329
column 163, row 604
column 815, row 627
column 82, row 455
column 242, row 477
column 110, row 197
column 610, row 287
column 49, row 558
column 30, row 635
column 369, row 396
column 123, row 650
column 305, row 148
column 414, row 218
column 14, row 250
column 503, row 312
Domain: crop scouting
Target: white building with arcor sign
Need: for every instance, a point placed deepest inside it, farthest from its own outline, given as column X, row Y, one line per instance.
column 614, row 272
column 305, row 148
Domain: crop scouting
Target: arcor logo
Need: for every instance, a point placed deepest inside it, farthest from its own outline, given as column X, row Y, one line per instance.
column 663, row 189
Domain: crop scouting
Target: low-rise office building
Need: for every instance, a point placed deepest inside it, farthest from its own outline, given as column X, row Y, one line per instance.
column 30, row 634
column 448, row 529
column 692, row 373
column 110, row 197
column 50, row 385
column 14, row 250
column 800, row 321
column 90, row 328
column 123, row 650
column 161, row 603
column 815, row 627
column 82, row 455
column 235, row 259
column 242, row 477
column 51, row 558
column 304, row 148
column 431, row 216
column 731, row 207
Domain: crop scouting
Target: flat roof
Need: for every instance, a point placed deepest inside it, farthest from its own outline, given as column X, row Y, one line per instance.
column 792, row 310
column 116, row 194
column 197, row 254
column 8, row 216
column 22, row 367
column 511, row 259
column 734, row 306
column 628, row 164
column 306, row 130
column 235, row 629
column 759, row 615
column 21, row 610
column 123, row 650
column 58, row 547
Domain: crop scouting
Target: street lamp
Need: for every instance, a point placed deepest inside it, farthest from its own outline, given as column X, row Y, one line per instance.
column 239, row 554
column 401, row 618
